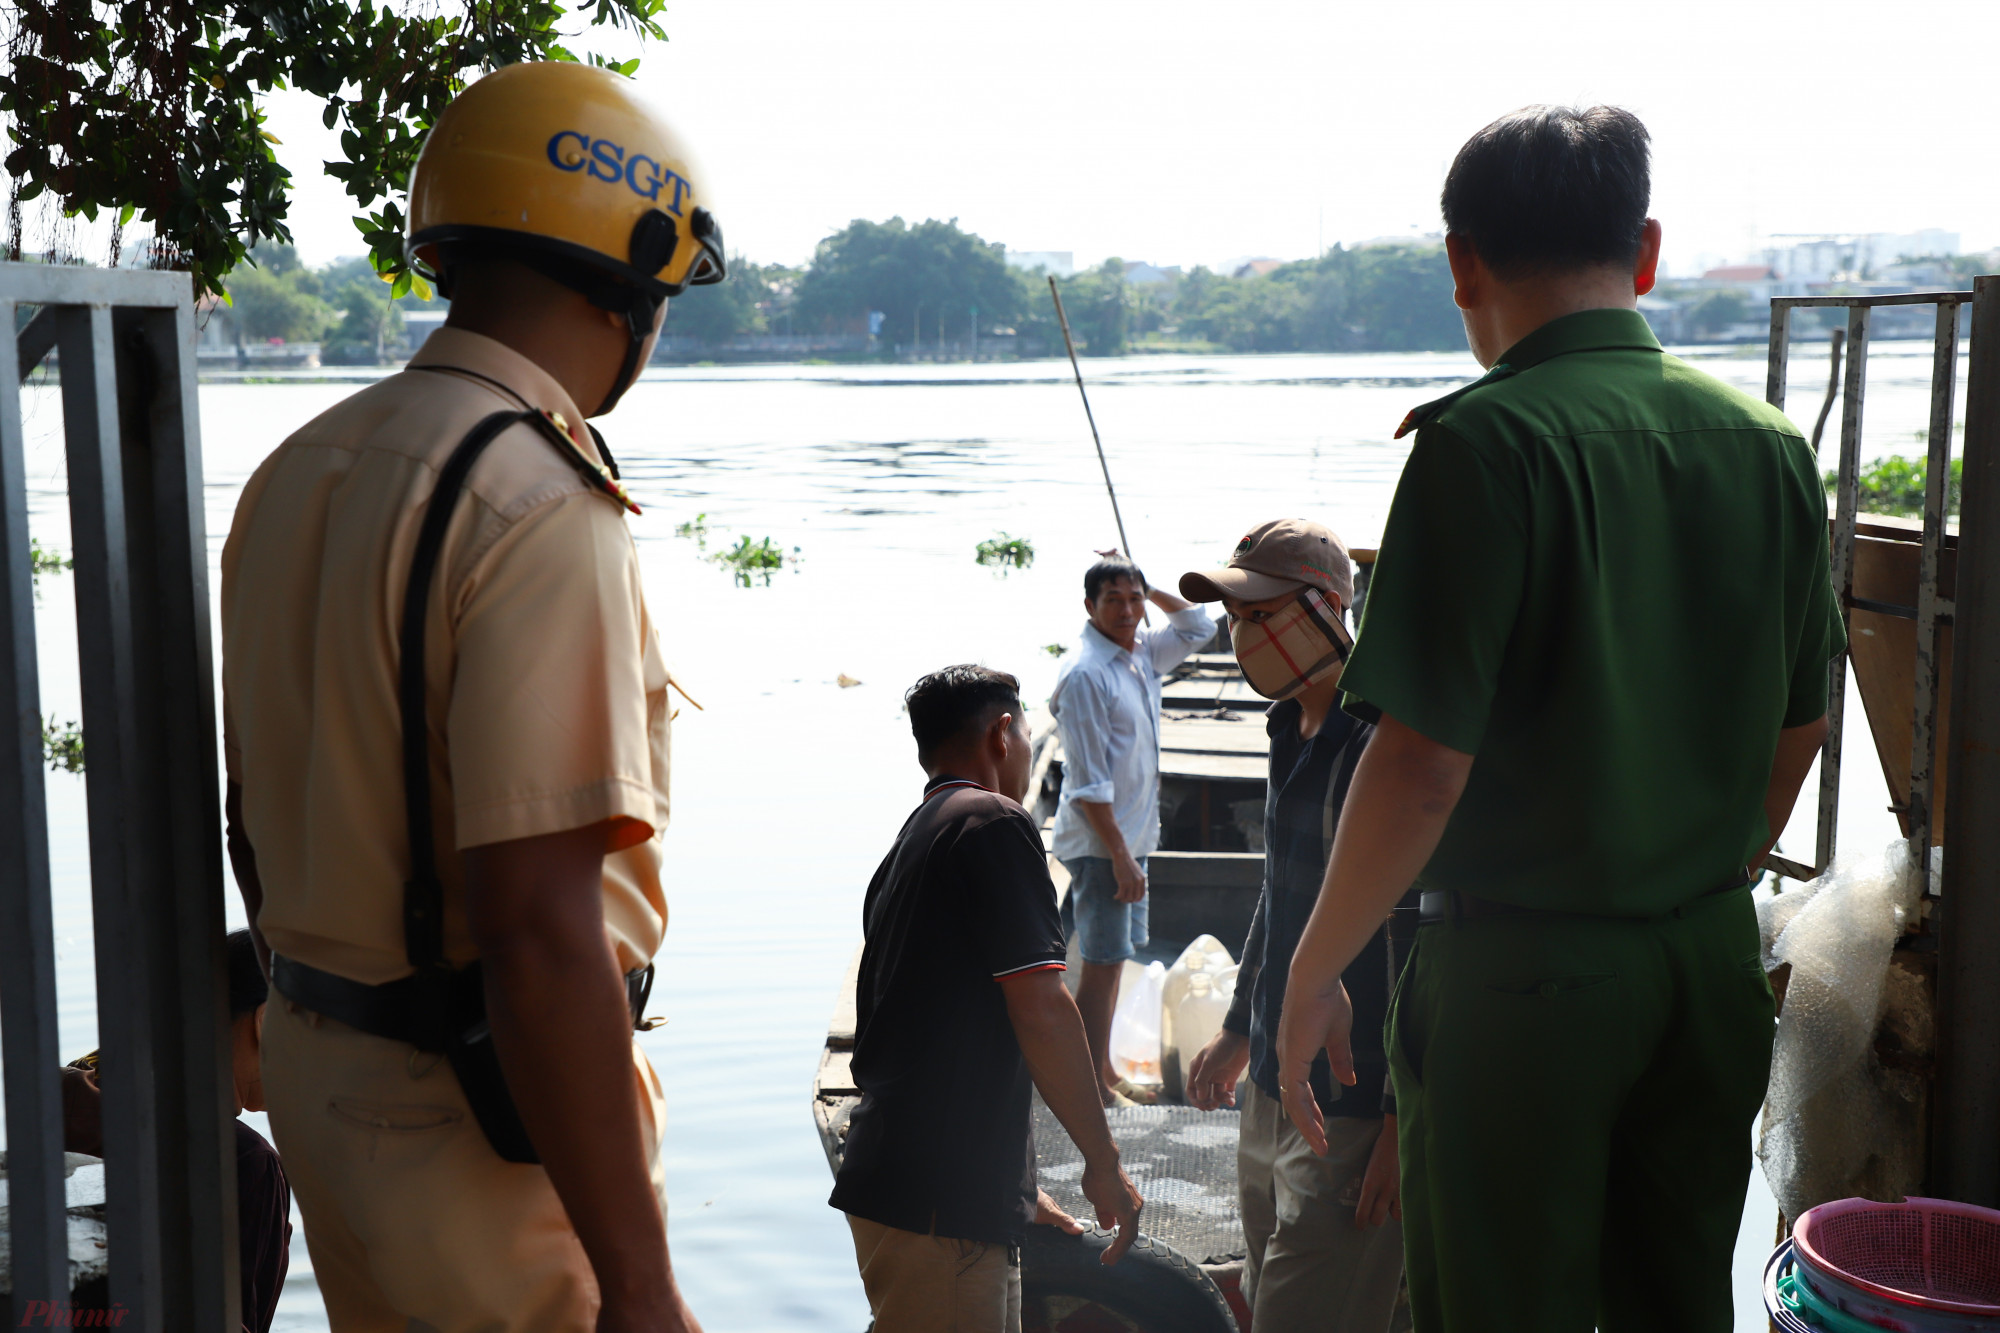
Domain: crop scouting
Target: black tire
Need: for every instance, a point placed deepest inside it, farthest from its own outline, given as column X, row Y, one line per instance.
column 1155, row 1287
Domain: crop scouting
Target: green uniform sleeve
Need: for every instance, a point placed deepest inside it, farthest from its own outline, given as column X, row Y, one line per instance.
column 1822, row 630
column 1445, row 592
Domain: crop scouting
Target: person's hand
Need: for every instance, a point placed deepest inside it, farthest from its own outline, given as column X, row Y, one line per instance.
column 1382, row 1183
column 1049, row 1213
column 665, row 1313
column 1217, row 1069
column 1130, row 876
column 1117, row 1202
column 1311, row 1024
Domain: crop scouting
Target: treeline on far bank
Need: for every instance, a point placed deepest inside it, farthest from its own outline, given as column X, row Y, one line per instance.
column 893, row 289
column 901, row 289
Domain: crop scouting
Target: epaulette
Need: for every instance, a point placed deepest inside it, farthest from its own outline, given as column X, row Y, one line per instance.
column 1419, row 415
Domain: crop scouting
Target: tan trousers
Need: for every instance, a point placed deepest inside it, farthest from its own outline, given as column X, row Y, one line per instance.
column 1308, row 1267
column 414, row 1223
column 936, row 1284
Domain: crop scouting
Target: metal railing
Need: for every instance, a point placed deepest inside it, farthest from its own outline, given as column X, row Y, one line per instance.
column 1964, row 1156
column 1932, row 611
column 126, row 344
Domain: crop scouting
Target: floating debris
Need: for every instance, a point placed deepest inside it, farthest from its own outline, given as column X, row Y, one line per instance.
column 1055, row 649
column 46, row 559
column 845, row 681
column 62, row 746
column 752, row 561
column 696, row 528
column 1004, row 553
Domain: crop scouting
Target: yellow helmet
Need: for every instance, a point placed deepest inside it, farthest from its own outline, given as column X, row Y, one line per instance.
column 565, row 163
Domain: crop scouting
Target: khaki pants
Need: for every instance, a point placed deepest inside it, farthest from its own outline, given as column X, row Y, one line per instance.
column 936, row 1284
column 1308, row 1267
column 414, row 1223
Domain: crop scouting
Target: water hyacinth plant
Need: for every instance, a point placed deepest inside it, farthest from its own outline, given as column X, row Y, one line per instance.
column 696, row 528
column 62, row 746
column 1005, row 553
column 753, row 561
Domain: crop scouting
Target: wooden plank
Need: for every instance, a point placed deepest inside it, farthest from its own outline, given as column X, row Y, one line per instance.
column 1242, row 870
column 836, row 1075
column 840, row 1032
column 1208, row 693
column 1214, row 736
column 1215, row 767
column 1883, row 650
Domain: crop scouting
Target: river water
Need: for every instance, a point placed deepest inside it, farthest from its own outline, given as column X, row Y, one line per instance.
column 789, row 786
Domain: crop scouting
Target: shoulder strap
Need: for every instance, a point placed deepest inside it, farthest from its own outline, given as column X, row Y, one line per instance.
column 1341, row 776
column 423, row 892
column 1419, row 415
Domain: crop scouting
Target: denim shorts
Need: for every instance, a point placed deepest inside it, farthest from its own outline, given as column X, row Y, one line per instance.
column 1106, row 930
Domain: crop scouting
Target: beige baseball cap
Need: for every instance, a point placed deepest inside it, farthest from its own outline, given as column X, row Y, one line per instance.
column 1276, row 558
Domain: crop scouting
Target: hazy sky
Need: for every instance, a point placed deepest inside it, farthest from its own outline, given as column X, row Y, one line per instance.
column 1185, row 133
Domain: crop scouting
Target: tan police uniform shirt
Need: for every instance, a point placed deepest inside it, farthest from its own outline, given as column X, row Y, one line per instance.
column 548, row 707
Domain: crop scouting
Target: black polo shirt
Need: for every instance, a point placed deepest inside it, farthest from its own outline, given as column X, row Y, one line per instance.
column 940, row 1143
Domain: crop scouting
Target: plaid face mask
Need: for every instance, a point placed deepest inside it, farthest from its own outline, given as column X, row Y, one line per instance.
column 1291, row 649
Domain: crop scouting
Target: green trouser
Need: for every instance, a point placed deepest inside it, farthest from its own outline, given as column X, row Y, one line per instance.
column 1576, row 1096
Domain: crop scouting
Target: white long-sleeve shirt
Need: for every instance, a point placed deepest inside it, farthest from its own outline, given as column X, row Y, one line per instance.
column 1107, row 706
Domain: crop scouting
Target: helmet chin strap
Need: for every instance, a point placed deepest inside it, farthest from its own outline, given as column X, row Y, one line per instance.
column 639, row 317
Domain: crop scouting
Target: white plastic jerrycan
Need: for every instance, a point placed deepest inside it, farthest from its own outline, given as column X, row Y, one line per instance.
column 1205, row 957
column 1200, row 1016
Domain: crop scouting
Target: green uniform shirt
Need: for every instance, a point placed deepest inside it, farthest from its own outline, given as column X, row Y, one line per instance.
column 1605, row 574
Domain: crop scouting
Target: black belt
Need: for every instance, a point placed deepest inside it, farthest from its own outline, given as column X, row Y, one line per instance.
column 1436, row 905
column 425, row 1009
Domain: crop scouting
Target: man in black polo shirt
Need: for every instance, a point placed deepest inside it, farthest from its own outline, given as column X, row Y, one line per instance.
column 960, row 1003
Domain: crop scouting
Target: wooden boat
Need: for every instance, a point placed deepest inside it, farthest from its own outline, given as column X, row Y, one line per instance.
column 1204, row 880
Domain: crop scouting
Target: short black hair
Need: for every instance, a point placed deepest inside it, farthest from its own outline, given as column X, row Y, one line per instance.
column 946, row 704
column 1110, row 571
column 1552, row 189
column 247, row 988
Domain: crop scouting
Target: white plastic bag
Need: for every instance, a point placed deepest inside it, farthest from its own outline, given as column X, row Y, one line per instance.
column 1135, row 1024
column 1834, row 1126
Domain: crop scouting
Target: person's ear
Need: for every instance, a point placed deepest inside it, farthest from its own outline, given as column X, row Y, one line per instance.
column 1468, row 272
column 1647, row 268
column 1002, row 735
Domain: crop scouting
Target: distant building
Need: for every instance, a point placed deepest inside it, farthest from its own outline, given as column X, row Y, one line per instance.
column 1853, row 256
column 1759, row 282
column 1056, row 263
column 1257, row 268
column 1151, row 275
column 1667, row 318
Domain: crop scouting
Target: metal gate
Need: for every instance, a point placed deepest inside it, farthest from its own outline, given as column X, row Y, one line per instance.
column 1965, row 1146
column 125, row 342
